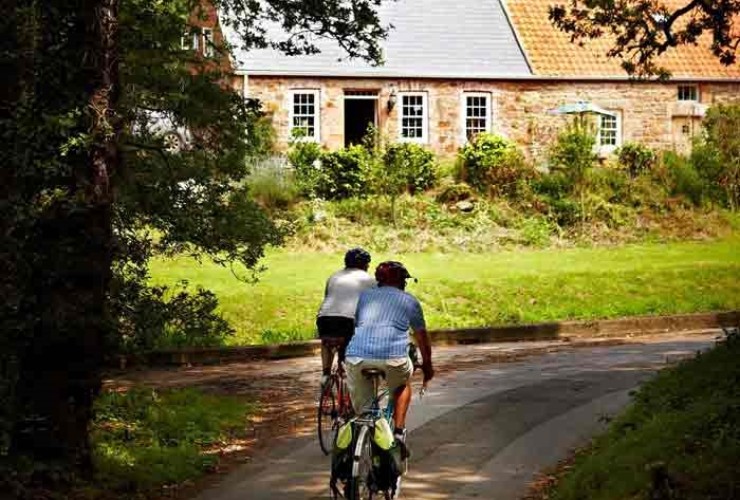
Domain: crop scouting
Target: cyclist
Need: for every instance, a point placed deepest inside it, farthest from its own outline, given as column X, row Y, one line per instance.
column 384, row 315
column 336, row 317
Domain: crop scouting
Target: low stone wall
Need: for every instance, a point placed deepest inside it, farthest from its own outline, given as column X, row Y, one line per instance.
column 567, row 330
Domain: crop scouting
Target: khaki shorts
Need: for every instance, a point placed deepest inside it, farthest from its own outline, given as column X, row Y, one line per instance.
column 397, row 374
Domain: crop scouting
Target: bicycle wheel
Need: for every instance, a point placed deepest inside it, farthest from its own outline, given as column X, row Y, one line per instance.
column 326, row 417
column 359, row 485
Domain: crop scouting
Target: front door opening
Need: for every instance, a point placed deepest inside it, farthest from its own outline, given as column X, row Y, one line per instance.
column 359, row 115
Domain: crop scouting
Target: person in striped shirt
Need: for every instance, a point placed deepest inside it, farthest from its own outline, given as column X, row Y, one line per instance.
column 382, row 321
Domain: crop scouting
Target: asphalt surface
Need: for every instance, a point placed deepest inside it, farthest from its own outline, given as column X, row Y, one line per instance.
column 482, row 431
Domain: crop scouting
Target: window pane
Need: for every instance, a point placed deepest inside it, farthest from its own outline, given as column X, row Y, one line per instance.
column 304, row 114
column 688, row 93
column 476, row 115
column 412, row 117
column 608, row 131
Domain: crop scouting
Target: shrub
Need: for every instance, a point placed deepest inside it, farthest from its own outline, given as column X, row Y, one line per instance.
column 683, row 178
column 573, row 152
column 158, row 317
column 413, row 165
column 636, row 158
column 273, row 184
column 454, row 192
column 493, row 164
column 344, row 173
column 305, row 157
column 716, row 156
column 573, row 155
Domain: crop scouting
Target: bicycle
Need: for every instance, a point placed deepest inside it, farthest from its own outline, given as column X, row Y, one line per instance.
column 372, row 472
column 335, row 405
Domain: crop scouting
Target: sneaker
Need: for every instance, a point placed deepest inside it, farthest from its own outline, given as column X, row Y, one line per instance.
column 402, row 452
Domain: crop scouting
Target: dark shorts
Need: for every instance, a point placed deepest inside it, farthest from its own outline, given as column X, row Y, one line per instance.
column 335, row 326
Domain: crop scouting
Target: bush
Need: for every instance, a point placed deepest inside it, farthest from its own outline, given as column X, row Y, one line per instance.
column 493, row 164
column 331, row 175
column 272, row 184
column 344, row 173
column 305, row 158
column 683, row 178
column 454, row 192
column 716, row 156
column 412, row 164
column 157, row 317
column 636, row 158
column 573, row 153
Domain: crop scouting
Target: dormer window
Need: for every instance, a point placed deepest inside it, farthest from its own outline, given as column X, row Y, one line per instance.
column 688, row 93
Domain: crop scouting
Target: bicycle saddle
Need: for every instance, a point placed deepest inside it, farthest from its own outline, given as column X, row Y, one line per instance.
column 372, row 372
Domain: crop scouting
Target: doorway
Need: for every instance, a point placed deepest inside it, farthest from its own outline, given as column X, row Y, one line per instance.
column 360, row 112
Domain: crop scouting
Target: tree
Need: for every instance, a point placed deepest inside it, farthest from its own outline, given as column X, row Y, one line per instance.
column 86, row 184
column 645, row 29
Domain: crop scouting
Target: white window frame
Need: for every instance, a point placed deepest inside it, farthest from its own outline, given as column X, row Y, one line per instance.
column 424, row 117
column 207, row 37
column 316, row 116
column 464, row 112
column 681, row 88
column 193, row 36
column 608, row 148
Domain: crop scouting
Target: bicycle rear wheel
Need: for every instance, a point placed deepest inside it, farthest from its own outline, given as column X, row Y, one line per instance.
column 327, row 415
column 359, row 487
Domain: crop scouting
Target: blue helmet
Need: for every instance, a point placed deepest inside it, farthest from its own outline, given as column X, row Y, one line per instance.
column 357, row 258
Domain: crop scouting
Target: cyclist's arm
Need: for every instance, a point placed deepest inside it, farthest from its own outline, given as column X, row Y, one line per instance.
column 425, row 346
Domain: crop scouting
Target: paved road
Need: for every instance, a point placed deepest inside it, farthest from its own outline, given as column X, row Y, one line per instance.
column 481, row 432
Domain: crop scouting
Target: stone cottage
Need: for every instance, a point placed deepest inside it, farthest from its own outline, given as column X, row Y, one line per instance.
column 454, row 69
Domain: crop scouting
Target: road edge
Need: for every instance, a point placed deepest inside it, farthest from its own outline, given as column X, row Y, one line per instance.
column 564, row 331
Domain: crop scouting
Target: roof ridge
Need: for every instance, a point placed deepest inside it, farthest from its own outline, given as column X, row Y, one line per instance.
column 517, row 37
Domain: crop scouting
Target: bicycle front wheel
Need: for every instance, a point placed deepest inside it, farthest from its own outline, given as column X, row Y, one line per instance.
column 359, row 485
column 328, row 413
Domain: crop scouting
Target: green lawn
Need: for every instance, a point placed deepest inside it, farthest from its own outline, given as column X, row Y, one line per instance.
column 463, row 289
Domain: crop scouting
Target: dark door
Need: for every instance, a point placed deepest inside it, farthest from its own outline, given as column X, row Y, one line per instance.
column 359, row 114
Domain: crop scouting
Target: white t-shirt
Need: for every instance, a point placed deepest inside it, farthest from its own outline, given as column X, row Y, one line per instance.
column 342, row 292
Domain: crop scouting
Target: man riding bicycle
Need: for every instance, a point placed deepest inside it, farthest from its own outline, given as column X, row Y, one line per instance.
column 336, row 317
column 383, row 318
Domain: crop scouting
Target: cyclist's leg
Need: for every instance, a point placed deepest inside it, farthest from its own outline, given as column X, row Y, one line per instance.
column 347, row 329
column 398, row 375
column 324, row 326
column 360, row 388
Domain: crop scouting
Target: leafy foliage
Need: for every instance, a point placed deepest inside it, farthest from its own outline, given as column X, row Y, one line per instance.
column 636, row 158
column 344, row 173
column 90, row 189
column 683, row 179
column 643, row 29
column 495, row 165
column 717, row 154
column 305, row 157
column 680, row 438
column 413, row 166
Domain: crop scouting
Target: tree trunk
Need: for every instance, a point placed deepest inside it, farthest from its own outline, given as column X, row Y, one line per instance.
column 59, row 371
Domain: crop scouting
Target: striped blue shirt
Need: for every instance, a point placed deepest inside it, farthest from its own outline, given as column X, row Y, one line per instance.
column 383, row 317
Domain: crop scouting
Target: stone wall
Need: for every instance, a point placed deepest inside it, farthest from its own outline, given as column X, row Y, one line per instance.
column 649, row 111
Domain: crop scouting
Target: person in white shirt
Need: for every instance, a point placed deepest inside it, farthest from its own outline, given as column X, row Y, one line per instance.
column 336, row 317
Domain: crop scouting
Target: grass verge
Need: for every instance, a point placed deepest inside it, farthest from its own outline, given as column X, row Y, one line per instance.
column 679, row 439
column 461, row 289
column 145, row 439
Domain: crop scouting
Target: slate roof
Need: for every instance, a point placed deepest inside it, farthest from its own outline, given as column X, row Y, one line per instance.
column 551, row 53
column 430, row 38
